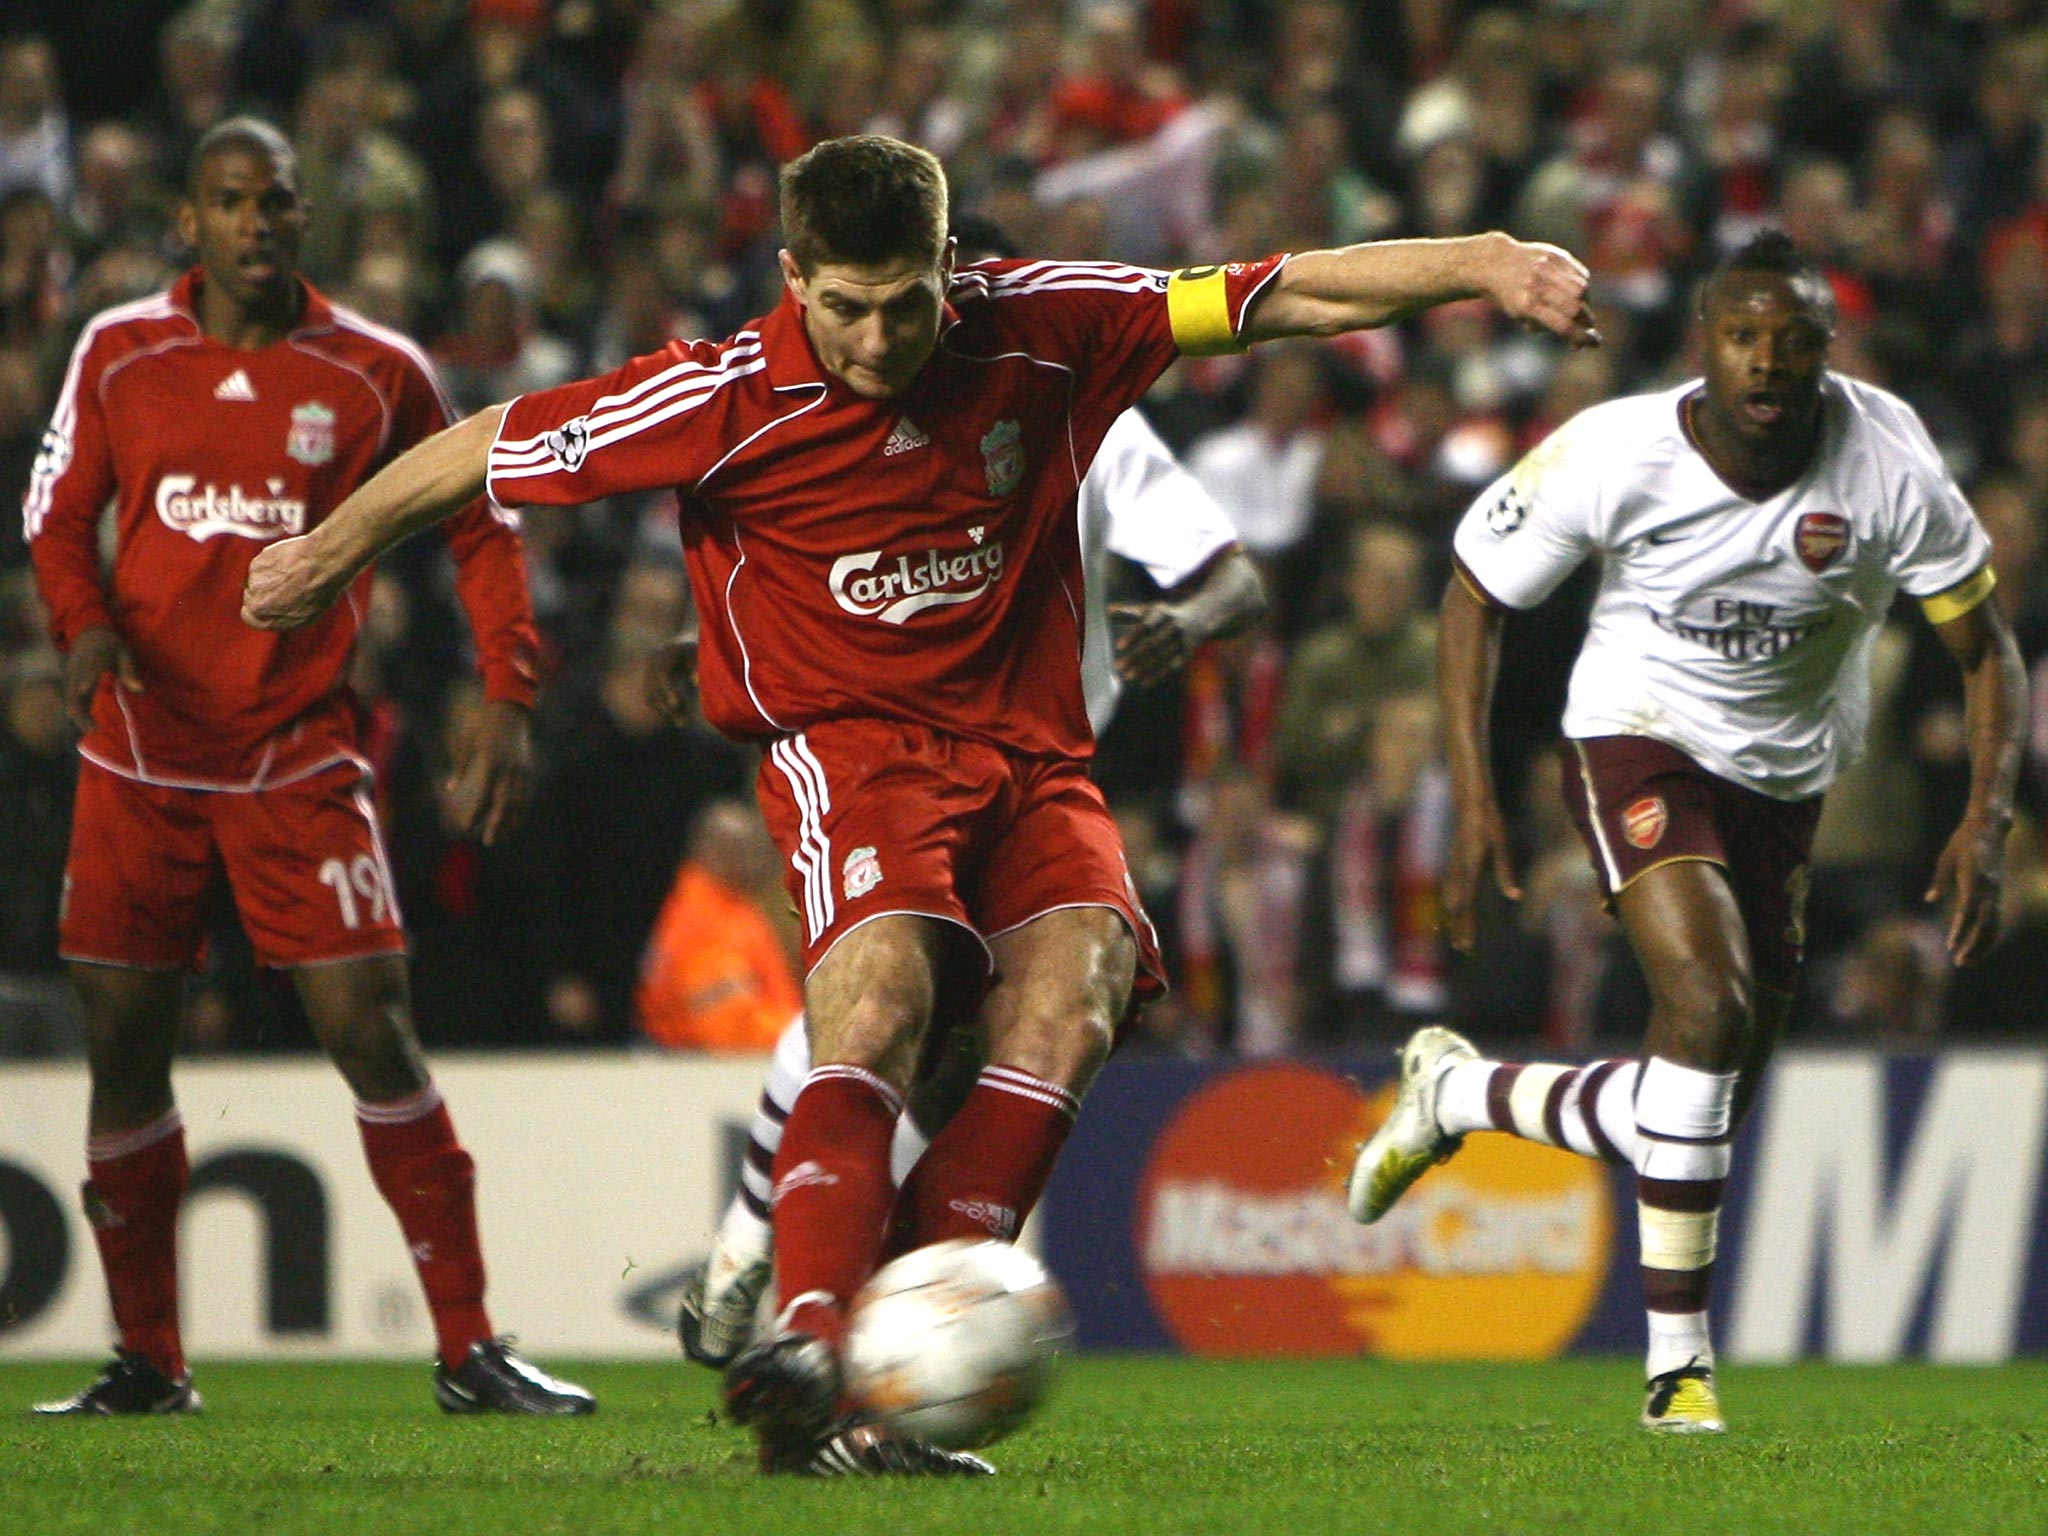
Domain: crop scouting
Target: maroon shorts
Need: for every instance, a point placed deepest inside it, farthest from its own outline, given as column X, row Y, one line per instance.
column 305, row 861
column 1639, row 803
column 878, row 818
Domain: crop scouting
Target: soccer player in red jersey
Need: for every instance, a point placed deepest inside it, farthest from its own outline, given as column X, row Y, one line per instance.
column 877, row 488
column 238, row 408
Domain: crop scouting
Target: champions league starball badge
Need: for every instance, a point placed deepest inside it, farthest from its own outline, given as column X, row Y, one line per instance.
column 569, row 442
column 1507, row 514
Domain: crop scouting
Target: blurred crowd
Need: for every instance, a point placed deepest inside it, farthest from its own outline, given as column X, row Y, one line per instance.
column 539, row 189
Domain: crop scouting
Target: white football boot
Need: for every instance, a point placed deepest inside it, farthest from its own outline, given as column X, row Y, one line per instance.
column 1410, row 1142
column 722, row 1296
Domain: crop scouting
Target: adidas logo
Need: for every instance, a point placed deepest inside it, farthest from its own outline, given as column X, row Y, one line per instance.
column 904, row 436
column 235, row 386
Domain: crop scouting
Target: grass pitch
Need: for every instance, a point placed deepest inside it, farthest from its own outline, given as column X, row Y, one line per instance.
column 1129, row 1445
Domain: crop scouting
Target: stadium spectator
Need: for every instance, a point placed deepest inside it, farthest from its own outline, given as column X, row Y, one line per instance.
column 1383, row 647
column 209, row 747
column 354, row 170
column 35, row 134
column 34, row 264
column 498, row 348
column 1262, row 471
column 718, row 974
column 1388, row 966
column 117, row 199
column 1243, row 901
column 39, row 1013
column 196, row 86
column 610, row 820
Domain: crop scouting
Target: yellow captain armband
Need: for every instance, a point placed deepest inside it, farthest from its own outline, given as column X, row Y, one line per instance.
column 1960, row 598
column 1198, row 309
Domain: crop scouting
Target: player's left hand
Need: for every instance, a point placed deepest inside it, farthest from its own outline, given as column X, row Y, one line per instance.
column 290, row 584
column 1971, row 870
column 1545, row 285
column 672, row 679
column 493, row 774
column 1153, row 641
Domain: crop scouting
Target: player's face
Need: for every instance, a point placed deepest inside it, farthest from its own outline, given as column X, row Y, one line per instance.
column 872, row 327
column 244, row 218
column 1766, row 352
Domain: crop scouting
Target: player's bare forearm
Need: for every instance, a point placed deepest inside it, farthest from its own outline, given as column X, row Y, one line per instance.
column 1995, row 706
column 1326, row 293
column 1468, row 662
column 1227, row 598
column 294, row 581
column 1155, row 640
column 1970, row 871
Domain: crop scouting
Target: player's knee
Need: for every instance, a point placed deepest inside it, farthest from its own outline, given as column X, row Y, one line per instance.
column 881, row 1030
column 1713, row 1010
column 376, row 1054
column 1064, row 1039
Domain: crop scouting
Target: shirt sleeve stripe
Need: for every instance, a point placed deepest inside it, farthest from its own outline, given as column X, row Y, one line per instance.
column 680, row 383
column 1945, row 607
column 520, row 460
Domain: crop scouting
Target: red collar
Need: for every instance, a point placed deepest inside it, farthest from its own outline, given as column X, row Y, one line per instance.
column 316, row 314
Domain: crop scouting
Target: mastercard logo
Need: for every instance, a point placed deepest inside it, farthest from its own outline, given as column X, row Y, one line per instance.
column 1247, row 1247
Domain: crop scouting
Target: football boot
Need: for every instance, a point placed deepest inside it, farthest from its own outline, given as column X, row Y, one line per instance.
column 1683, row 1402
column 129, row 1384
column 496, row 1379
column 1410, row 1142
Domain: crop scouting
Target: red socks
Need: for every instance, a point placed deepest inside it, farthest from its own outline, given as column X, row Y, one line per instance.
column 984, row 1173
column 135, row 1183
column 430, row 1182
column 832, row 1194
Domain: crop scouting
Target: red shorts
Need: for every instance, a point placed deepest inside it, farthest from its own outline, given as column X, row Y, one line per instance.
column 305, row 861
column 1639, row 803
column 878, row 818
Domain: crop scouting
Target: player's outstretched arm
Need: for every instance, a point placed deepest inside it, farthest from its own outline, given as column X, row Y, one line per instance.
column 1325, row 293
column 1971, row 869
column 1467, row 664
column 1155, row 640
column 294, row 581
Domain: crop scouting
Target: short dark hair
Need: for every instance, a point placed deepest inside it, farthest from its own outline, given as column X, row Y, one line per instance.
column 863, row 200
column 245, row 133
column 1772, row 251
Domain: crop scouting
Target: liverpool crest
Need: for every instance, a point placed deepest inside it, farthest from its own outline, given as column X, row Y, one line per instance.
column 862, row 872
column 1002, row 455
column 311, row 439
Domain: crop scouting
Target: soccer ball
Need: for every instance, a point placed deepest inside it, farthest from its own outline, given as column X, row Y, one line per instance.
column 954, row 1344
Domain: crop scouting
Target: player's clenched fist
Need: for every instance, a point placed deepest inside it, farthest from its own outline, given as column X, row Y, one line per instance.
column 289, row 585
column 1544, row 285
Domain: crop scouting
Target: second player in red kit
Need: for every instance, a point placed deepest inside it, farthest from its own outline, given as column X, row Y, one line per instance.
column 236, row 409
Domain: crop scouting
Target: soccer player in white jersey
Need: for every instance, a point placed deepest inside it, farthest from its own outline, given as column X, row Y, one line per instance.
column 1136, row 502
column 1752, row 529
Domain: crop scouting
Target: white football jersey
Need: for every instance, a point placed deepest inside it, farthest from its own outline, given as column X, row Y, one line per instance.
column 1738, row 632
column 1137, row 501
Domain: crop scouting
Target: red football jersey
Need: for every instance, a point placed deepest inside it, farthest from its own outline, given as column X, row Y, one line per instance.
column 916, row 558
column 209, row 452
